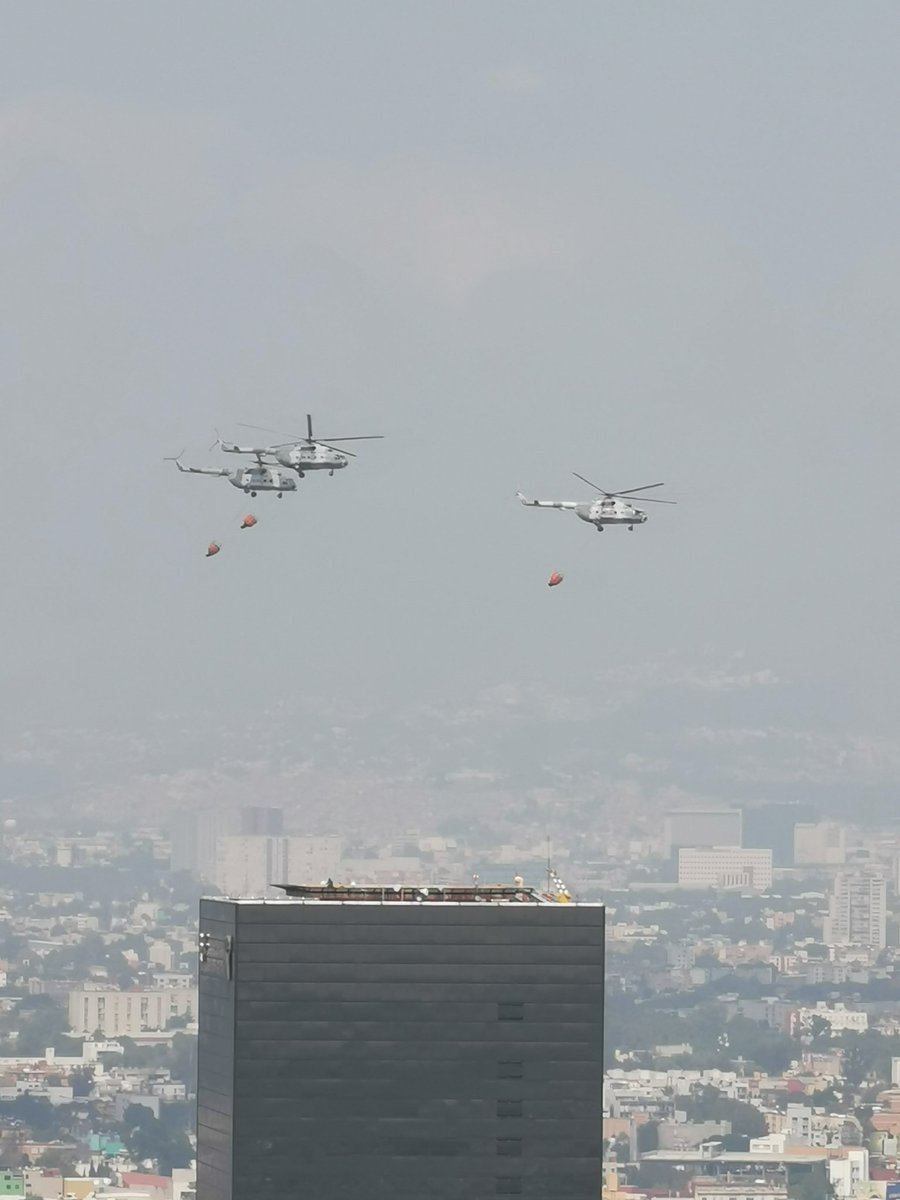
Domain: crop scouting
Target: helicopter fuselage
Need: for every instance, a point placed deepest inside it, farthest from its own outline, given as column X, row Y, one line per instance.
column 262, row 479
column 302, row 457
column 610, row 512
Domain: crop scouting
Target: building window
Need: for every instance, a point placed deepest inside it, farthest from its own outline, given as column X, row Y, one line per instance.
column 509, row 1186
column 510, row 1147
column 509, row 1070
column 509, row 1108
column 512, row 1011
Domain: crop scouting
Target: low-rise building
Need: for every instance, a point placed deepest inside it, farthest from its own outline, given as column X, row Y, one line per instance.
column 838, row 1016
column 126, row 1013
column 719, row 1189
column 725, row 868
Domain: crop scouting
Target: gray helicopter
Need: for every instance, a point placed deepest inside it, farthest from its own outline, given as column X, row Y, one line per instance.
column 607, row 508
column 301, row 454
column 249, row 479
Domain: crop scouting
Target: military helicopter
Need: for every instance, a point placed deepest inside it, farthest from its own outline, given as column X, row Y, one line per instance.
column 301, row 454
column 608, row 508
column 248, row 479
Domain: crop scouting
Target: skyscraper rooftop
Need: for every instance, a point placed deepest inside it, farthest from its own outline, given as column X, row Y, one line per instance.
column 474, row 893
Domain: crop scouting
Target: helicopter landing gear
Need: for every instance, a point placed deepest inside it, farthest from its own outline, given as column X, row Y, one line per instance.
column 280, row 495
column 631, row 529
column 599, row 528
column 253, row 493
column 331, row 474
column 301, row 475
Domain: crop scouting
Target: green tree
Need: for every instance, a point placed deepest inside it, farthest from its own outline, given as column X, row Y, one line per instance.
column 37, row 1113
column 812, row 1185
column 820, row 1030
column 82, row 1081
column 146, row 1137
column 648, row 1137
column 59, row 1160
column 621, row 1148
column 708, row 1104
column 754, row 1040
column 41, row 1027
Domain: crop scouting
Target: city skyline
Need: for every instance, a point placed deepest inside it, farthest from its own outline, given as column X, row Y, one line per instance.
column 510, row 289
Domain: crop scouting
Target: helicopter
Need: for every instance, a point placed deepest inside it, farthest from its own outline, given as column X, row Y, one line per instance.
column 608, row 508
column 301, row 454
column 248, row 479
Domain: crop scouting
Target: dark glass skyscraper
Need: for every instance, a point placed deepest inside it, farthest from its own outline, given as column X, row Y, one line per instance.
column 399, row 1046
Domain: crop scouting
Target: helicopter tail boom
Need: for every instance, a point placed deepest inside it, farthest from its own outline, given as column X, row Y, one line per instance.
column 559, row 504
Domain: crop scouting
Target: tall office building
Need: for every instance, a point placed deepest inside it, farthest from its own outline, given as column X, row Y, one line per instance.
column 400, row 1043
column 857, row 911
column 256, row 820
column 194, row 836
column 819, row 843
column 250, row 866
column 701, row 827
column 771, row 826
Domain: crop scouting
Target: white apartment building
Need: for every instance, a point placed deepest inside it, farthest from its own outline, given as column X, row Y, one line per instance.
column 838, row 1017
column 725, row 867
column 159, row 954
column 847, row 1174
column 857, row 911
column 124, row 1014
column 248, row 865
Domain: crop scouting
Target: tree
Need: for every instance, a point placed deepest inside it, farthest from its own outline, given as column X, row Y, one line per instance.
column 754, row 1040
column 819, row 1030
column 148, row 1138
column 812, row 1185
column 648, row 1137
column 708, row 1104
column 658, row 1175
column 622, row 1148
column 82, row 1081
column 60, row 1160
column 856, row 1062
column 35, row 1112
column 178, row 1115
column 42, row 1027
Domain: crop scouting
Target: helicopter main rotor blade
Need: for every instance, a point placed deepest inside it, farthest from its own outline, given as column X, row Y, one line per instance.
column 366, row 437
column 649, row 499
column 593, row 485
column 336, row 449
column 631, row 491
column 297, row 438
column 263, row 429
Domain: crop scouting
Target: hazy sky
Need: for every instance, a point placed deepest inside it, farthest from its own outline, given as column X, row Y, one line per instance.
column 641, row 241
